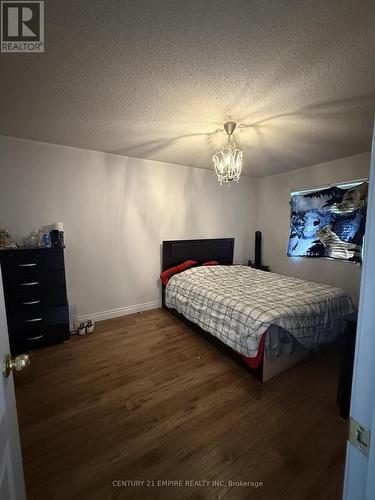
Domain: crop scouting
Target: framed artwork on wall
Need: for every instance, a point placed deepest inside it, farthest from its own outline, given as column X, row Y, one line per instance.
column 329, row 222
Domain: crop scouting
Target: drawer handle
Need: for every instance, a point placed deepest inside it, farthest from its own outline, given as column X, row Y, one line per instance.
column 32, row 264
column 35, row 338
column 33, row 320
column 32, row 283
column 31, row 303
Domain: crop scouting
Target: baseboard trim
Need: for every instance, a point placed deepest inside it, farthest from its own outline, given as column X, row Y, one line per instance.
column 122, row 311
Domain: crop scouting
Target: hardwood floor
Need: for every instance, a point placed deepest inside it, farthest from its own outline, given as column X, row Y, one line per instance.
column 145, row 398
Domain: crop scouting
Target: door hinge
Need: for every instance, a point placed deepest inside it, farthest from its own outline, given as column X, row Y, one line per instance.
column 359, row 436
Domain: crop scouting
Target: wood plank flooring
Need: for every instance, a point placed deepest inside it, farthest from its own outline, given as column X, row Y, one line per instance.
column 145, row 398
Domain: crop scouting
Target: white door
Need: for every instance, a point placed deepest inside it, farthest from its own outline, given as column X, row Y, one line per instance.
column 12, row 485
column 360, row 469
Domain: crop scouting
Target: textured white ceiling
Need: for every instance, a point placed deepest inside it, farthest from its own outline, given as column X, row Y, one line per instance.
column 157, row 79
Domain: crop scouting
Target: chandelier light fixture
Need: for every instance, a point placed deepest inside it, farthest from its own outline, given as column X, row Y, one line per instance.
column 228, row 161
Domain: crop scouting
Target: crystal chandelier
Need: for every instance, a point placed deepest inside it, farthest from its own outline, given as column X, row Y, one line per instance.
column 228, row 161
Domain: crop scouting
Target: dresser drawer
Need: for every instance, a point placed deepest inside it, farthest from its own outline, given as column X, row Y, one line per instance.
column 35, row 260
column 45, row 337
column 32, row 323
column 34, row 281
column 25, row 304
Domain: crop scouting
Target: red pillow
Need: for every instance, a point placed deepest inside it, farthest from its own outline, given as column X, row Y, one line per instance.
column 211, row 263
column 168, row 273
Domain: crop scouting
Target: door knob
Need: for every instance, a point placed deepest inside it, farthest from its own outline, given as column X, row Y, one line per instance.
column 18, row 363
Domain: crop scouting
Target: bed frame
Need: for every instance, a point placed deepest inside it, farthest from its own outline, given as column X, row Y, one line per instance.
column 221, row 249
column 177, row 251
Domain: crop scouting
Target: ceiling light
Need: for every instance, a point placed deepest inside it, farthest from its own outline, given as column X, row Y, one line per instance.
column 228, row 161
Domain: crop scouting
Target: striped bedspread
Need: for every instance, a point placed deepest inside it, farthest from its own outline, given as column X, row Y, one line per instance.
column 239, row 304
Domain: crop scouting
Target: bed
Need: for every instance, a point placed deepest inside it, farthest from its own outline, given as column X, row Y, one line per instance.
column 268, row 321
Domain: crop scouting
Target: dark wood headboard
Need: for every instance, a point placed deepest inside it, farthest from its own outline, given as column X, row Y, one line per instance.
column 177, row 251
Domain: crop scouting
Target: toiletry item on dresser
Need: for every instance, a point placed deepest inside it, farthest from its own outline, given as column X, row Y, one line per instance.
column 57, row 235
column 5, row 240
column 46, row 240
column 34, row 238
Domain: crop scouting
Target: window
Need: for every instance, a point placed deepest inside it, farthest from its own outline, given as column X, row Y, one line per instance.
column 329, row 221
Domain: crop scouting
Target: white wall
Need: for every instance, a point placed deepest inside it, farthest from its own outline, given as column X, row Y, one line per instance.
column 116, row 212
column 274, row 216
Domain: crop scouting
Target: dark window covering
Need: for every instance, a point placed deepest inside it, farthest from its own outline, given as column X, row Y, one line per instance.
column 329, row 222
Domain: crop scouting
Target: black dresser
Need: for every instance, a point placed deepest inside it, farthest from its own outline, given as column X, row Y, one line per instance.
column 344, row 388
column 35, row 297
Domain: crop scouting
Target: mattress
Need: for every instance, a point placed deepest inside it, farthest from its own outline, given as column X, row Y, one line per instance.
column 238, row 304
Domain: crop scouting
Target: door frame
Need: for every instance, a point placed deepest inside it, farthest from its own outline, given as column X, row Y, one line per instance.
column 11, row 468
column 358, row 482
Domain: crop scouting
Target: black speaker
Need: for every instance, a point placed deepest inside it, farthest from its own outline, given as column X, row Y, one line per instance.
column 258, row 249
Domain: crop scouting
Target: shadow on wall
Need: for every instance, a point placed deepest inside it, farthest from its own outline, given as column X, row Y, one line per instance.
column 152, row 204
column 154, row 207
